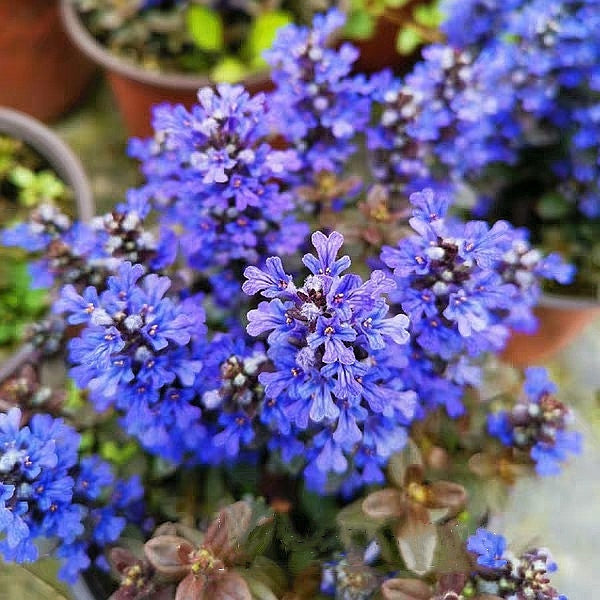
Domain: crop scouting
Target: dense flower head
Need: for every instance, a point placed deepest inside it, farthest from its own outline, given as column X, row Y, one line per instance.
column 475, row 22
column 334, row 381
column 64, row 245
column 77, row 253
column 437, row 123
column 138, row 343
column 217, row 181
column 538, row 424
column 505, row 575
column 317, row 106
column 232, row 398
column 542, row 59
column 462, row 285
column 489, row 547
column 350, row 576
column 46, row 492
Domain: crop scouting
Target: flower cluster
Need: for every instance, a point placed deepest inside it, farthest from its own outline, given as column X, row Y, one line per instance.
column 232, row 398
column 437, row 123
column 475, row 22
column 45, row 492
column 333, row 393
column 462, row 285
column 218, row 182
column 350, row 576
column 542, row 58
column 489, row 571
column 86, row 253
column 538, row 424
column 317, row 106
column 139, row 346
column 505, row 575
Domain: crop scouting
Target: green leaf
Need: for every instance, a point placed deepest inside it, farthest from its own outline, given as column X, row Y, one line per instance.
column 118, row 455
column 205, row 27
column 428, row 15
column 22, row 176
column 552, row 207
column 87, row 442
column 259, row 539
column 229, row 70
column 50, row 186
column 262, row 33
column 408, row 40
column 396, row 3
column 266, row 579
column 360, row 25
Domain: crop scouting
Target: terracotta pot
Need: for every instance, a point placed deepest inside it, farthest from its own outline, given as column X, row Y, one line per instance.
column 43, row 73
column 379, row 51
column 137, row 90
column 68, row 168
column 561, row 320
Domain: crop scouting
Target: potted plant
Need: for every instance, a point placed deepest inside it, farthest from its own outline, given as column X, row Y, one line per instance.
column 262, row 416
column 35, row 167
column 165, row 51
column 43, row 73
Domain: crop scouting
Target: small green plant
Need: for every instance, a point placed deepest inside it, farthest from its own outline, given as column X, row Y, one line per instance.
column 25, row 180
column 19, row 304
column 418, row 21
column 224, row 40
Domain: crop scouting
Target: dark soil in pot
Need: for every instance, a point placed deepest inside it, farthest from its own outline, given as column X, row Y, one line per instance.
column 136, row 89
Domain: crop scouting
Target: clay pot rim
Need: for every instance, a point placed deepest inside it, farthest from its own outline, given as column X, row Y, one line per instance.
column 563, row 302
column 86, row 42
column 60, row 157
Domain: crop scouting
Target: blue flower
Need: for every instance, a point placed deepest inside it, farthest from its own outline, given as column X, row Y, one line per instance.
column 326, row 262
column 316, row 98
column 329, row 341
column 271, row 280
column 538, row 424
column 222, row 184
column 464, row 286
column 524, row 576
column 489, row 547
column 47, row 492
column 549, row 456
column 332, row 334
column 146, row 340
column 93, row 477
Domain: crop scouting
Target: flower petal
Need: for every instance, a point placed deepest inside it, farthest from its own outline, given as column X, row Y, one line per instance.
column 384, row 504
column 232, row 586
column 405, row 589
column 227, row 530
column 164, row 553
column 192, row 588
column 445, row 494
column 416, row 542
